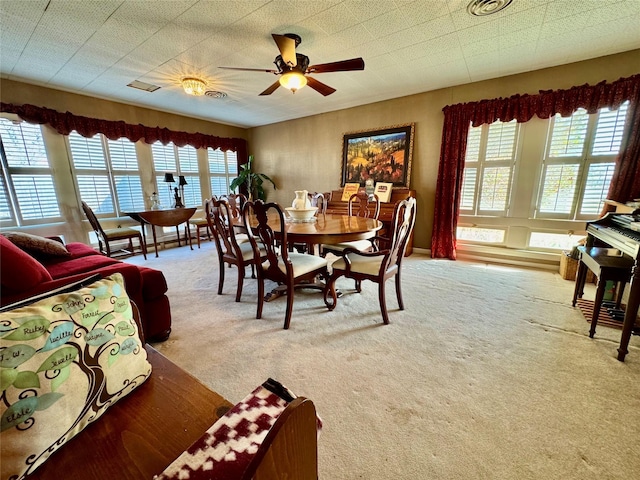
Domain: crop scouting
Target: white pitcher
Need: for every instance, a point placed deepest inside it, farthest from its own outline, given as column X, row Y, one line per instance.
column 301, row 202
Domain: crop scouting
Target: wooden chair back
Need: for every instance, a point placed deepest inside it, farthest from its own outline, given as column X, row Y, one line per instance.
column 95, row 224
column 319, row 200
column 365, row 205
column 402, row 223
column 263, row 233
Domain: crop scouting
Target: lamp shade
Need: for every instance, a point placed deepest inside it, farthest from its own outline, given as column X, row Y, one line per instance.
column 168, row 177
column 182, row 180
column 293, row 80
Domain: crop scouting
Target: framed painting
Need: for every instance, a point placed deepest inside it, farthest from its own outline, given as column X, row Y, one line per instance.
column 382, row 155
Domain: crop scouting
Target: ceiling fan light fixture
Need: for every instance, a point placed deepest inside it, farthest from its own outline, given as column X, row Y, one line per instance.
column 293, row 80
column 193, row 86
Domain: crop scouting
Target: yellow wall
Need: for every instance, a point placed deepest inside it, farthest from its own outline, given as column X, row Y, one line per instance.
column 306, row 153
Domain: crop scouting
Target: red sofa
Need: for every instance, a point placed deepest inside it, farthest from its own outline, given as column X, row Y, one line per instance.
column 24, row 273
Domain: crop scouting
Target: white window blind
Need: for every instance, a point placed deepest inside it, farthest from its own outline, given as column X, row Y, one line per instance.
column 489, row 160
column 579, row 163
column 223, row 168
column 126, row 176
column 107, row 174
column 164, row 161
column 27, row 177
column 91, row 173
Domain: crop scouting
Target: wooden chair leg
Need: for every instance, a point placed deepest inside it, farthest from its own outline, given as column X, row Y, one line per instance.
column 383, row 302
column 240, row 282
column 221, row 278
column 260, row 297
column 287, row 317
column 198, row 234
column 399, row 291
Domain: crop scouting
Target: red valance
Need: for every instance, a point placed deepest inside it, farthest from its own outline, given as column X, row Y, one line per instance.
column 625, row 184
column 65, row 123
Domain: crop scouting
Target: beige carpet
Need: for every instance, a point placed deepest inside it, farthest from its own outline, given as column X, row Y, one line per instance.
column 488, row 374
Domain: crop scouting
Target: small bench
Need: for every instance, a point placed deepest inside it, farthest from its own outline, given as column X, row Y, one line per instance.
column 607, row 264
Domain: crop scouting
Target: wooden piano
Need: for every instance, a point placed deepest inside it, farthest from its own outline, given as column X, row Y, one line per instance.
column 619, row 230
column 336, row 206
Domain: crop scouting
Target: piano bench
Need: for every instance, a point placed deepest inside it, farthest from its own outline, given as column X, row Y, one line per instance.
column 606, row 264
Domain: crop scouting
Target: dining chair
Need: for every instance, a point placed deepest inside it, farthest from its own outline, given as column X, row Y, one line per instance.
column 287, row 269
column 320, row 200
column 377, row 266
column 360, row 204
column 105, row 237
column 236, row 203
column 230, row 251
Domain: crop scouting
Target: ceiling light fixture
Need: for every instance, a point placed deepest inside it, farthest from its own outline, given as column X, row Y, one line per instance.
column 481, row 8
column 293, row 80
column 193, row 86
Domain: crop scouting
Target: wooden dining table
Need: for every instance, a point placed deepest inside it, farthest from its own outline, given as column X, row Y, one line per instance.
column 164, row 218
column 325, row 229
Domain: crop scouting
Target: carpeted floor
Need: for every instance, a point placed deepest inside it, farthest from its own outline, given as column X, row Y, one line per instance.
column 488, row 374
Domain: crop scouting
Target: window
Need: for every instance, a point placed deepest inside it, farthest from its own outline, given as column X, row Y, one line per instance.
column 531, row 185
column 579, row 162
column 188, row 158
column 164, row 161
column 28, row 192
column 107, row 174
column 223, row 168
column 486, row 185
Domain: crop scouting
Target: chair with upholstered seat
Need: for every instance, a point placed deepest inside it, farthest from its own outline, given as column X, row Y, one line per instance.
column 360, row 204
column 105, row 237
column 288, row 269
column 236, row 202
column 377, row 266
column 230, row 251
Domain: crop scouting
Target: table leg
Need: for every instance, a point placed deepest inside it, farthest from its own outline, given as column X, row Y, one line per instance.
column 178, row 233
column 144, row 236
column 631, row 312
column 189, row 237
column 155, row 242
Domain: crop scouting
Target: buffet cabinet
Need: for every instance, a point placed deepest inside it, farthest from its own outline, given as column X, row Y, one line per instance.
column 335, row 205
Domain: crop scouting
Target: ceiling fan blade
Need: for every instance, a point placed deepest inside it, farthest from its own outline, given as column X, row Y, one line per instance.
column 287, row 47
column 271, row 89
column 320, row 87
column 251, row 69
column 342, row 66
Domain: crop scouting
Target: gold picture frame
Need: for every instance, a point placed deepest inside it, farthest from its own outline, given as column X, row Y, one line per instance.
column 385, row 155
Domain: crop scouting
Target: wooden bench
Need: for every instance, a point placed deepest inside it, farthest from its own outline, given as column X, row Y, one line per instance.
column 141, row 435
column 607, row 265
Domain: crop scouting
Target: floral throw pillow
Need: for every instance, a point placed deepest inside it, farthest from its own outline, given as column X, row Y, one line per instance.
column 63, row 361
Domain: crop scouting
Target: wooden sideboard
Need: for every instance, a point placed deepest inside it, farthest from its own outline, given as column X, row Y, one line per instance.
column 337, row 206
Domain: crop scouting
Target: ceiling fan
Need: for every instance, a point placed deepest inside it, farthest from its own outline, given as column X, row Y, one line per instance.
column 293, row 67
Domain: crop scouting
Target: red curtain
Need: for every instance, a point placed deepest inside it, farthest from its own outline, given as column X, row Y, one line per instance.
column 65, row 123
column 625, row 184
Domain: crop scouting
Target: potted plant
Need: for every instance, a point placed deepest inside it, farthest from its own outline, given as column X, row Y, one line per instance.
column 251, row 181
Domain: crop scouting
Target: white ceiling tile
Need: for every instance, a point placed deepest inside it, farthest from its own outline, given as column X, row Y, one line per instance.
column 335, row 19
column 421, row 11
column 386, row 24
column 435, row 28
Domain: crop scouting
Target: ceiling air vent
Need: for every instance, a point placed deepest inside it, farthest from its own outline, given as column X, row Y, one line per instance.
column 215, row 94
column 481, row 8
column 147, row 87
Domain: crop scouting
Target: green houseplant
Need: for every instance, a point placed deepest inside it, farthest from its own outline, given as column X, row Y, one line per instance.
column 252, row 181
